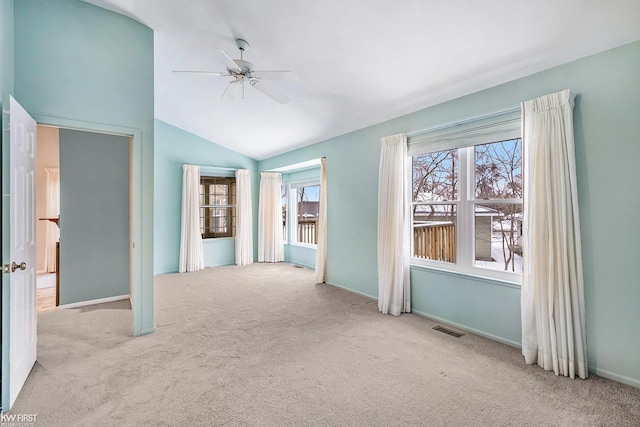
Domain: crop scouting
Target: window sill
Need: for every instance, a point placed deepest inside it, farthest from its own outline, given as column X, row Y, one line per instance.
column 515, row 284
column 304, row 245
column 215, row 239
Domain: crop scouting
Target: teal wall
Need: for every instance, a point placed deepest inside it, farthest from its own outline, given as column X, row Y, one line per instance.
column 77, row 63
column 607, row 151
column 94, row 216
column 297, row 254
column 175, row 147
column 6, row 47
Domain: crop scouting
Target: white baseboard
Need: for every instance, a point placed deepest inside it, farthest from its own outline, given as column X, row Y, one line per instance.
column 94, row 302
column 468, row 329
column 633, row 382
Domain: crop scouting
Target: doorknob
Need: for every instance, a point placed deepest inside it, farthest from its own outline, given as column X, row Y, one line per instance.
column 21, row 266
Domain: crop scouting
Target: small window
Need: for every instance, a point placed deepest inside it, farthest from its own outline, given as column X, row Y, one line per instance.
column 307, row 212
column 217, row 207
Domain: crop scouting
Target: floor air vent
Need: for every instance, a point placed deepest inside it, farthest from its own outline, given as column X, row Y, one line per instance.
column 448, row 331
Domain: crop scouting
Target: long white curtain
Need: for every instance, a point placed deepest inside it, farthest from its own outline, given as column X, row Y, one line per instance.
column 270, row 233
column 191, row 252
column 52, row 210
column 244, row 221
column 394, row 295
column 321, row 249
column 553, row 309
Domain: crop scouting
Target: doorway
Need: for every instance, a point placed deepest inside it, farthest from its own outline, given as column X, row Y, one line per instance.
column 47, row 214
column 84, row 217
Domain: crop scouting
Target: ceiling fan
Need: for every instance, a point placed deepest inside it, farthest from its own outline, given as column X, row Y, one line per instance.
column 244, row 73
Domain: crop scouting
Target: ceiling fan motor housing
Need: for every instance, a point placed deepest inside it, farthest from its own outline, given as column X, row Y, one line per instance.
column 246, row 68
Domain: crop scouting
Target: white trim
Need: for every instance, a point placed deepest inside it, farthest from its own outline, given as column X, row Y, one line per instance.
column 353, row 291
column 94, row 302
column 500, row 126
column 420, row 264
column 305, row 182
column 615, row 377
column 304, row 245
column 309, row 164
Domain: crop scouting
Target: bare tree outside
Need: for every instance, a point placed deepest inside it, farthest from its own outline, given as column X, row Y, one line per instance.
column 435, row 179
column 496, row 201
column 498, row 176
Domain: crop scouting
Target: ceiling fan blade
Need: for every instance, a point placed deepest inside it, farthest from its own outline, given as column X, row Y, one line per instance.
column 205, row 73
column 275, row 74
column 232, row 82
column 227, row 59
column 269, row 91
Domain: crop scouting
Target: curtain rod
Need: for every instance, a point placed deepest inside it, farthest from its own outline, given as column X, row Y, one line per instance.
column 462, row 122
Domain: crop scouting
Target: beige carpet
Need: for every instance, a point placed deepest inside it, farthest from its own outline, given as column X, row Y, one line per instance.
column 262, row 345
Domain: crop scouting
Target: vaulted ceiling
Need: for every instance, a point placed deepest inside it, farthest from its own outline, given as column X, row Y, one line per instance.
column 358, row 62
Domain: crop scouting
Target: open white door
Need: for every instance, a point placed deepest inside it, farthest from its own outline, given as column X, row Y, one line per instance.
column 19, row 338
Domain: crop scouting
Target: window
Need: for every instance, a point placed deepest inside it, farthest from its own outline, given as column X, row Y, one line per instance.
column 307, row 212
column 467, row 208
column 217, row 206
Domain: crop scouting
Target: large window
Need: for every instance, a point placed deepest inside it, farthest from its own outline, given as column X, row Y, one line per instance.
column 217, row 207
column 307, row 208
column 467, row 207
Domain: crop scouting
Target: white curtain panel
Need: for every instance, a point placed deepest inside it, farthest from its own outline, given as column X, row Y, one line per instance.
column 321, row 249
column 270, row 238
column 191, row 253
column 52, row 210
column 244, row 220
column 553, row 309
column 393, row 228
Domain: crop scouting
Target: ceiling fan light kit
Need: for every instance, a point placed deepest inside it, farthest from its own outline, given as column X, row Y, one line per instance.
column 245, row 72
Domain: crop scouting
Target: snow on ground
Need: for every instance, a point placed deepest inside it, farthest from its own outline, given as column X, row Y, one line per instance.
column 497, row 254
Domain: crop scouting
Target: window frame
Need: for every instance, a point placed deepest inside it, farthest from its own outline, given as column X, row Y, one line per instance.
column 463, row 136
column 230, row 181
column 293, row 211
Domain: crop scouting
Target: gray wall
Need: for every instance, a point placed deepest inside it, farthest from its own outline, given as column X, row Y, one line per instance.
column 94, row 216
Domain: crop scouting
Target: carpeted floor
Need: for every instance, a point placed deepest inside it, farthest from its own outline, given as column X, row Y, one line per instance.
column 263, row 345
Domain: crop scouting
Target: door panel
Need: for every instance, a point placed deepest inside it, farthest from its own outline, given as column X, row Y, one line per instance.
column 19, row 338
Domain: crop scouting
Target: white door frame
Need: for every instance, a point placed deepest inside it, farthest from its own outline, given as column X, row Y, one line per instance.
column 135, row 195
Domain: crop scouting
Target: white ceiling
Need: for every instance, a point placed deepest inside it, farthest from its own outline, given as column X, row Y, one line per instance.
column 359, row 62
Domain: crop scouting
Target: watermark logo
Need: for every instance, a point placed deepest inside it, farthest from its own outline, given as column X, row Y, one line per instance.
column 18, row 420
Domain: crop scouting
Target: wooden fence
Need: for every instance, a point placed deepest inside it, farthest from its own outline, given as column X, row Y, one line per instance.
column 308, row 231
column 430, row 241
column 435, row 241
